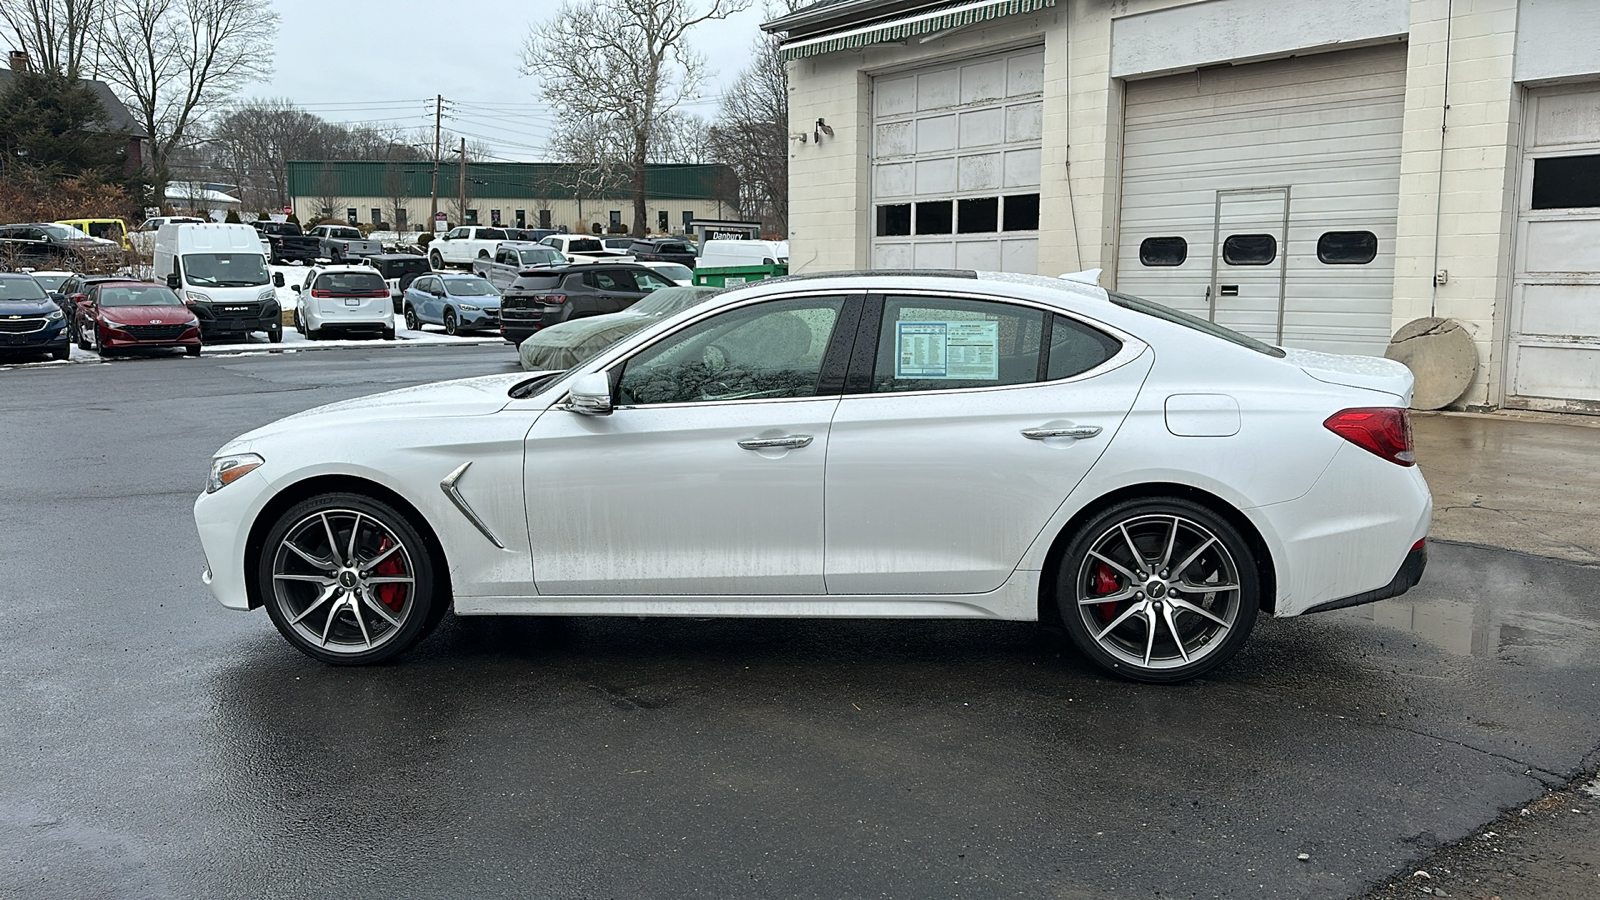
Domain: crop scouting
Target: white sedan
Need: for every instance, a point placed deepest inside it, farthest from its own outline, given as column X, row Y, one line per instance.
column 939, row 445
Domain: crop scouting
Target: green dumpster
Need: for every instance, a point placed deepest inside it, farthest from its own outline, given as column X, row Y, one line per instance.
column 733, row 276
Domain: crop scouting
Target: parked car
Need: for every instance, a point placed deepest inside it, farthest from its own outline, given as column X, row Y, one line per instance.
column 51, row 281
column 344, row 299
column 221, row 273
column 723, row 253
column 113, row 230
column 461, row 246
column 512, row 257
column 30, row 320
column 677, row 274
column 75, row 290
column 533, row 235
column 143, row 238
column 344, row 242
column 560, row 347
column 618, row 246
column 663, row 250
column 458, row 301
column 49, row 245
column 398, row 271
column 580, row 248
column 136, row 315
column 996, row 447
column 543, row 296
column 286, row 242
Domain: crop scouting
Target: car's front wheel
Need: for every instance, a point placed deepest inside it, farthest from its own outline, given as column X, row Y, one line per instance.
column 450, row 325
column 1158, row 590
column 348, row 580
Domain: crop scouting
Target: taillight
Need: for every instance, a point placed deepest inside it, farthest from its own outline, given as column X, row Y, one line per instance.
column 553, row 298
column 321, row 294
column 1384, row 431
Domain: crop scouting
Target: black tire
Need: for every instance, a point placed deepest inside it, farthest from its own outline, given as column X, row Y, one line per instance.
column 1164, row 627
column 436, row 261
column 388, row 334
column 275, row 334
column 192, row 351
column 62, row 352
column 409, row 611
column 450, row 324
column 83, row 339
column 412, row 322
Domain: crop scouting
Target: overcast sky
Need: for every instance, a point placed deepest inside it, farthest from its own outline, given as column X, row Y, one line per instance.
column 383, row 63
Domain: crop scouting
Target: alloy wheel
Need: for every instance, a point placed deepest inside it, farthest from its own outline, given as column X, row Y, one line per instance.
column 344, row 581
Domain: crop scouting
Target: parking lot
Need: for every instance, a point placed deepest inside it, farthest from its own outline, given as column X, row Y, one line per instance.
column 161, row 746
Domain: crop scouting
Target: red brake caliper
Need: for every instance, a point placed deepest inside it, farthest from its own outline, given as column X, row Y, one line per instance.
column 1104, row 581
column 391, row 595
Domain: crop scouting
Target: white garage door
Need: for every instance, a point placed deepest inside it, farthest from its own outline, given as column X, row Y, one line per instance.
column 955, row 165
column 1264, row 196
column 1554, row 358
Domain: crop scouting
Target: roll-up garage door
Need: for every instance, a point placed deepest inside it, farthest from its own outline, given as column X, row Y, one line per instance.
column 1554, row 354
column 955, row 165
column 1264, row 196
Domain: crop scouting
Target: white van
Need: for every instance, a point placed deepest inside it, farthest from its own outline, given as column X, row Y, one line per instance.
column 221, row 273
column 715, row 254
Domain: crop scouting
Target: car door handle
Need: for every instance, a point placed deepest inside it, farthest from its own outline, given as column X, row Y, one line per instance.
column 787, row 442
column 1072, row 431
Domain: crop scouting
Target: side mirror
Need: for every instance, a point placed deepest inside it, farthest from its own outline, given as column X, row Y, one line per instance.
column 277, row 279
column 590, row 395
column 293, row 287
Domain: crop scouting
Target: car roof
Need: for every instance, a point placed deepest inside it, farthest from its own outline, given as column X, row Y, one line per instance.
column 346, row 267
column 456, row 275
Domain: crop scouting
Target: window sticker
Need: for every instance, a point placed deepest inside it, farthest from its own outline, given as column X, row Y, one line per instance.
column 951, row 351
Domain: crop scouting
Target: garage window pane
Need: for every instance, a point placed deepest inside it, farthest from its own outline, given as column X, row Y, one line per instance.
column 936, row 343
column 978, row 216
column 1163, row 251
column 1347, row 248
column 1566, row 182
column 1076, row 348
column 935, row 218
column 894, row 220
column 1249, row 249
column 1022, row 213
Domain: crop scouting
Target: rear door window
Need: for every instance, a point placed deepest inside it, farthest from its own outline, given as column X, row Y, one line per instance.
column 941, row 343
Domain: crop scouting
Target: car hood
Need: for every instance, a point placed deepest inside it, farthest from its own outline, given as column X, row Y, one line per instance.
column 27, row 307
column 147, row 315
column 1370, row 372
column 480, row 396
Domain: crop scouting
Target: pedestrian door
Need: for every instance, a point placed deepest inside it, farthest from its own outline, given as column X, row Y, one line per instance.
column 1247, row 262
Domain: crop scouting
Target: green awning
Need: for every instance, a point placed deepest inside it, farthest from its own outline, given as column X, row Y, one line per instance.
column 942, row 18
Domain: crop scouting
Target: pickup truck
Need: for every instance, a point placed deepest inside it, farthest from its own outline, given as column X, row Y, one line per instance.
column 582, row 248
column 286, row 242
column 342, row 242
column 463, row 246
column 511, row 258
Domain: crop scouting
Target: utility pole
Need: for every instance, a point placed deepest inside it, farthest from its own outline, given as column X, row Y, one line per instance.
column 461, row 180
column 438, row 108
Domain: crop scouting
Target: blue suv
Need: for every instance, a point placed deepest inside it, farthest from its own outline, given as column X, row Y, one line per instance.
column 458, row 302
column 30, row 322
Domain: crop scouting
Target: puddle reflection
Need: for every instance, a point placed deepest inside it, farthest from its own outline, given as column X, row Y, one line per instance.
column 1488, row 629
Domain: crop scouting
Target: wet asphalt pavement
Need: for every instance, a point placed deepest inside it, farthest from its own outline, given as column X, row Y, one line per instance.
column 157, row 745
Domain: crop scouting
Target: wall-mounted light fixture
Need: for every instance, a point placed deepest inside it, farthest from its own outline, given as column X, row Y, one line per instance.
column 822, row 128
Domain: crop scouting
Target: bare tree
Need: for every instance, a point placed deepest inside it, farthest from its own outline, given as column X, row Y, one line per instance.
column 394, row 189
column 592, row 148
column 622, row 59
column 751, row 134
column 330, row 204
column 173, row 61
column 58, row 35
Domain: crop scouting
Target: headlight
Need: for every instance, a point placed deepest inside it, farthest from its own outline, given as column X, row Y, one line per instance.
column 196, row 297
column 468, row 307
column 54, row 315
column 268, row 294
column 225, row 470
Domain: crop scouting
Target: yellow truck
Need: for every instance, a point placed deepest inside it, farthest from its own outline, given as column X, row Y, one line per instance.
column 109, row 229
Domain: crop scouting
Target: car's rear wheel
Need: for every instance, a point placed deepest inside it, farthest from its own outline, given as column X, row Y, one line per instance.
column 1158, row 590
column 348, row 580
column 412, row 322
column 436, row 261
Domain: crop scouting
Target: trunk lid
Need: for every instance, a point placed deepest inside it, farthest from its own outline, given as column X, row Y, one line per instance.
column 1372, row 373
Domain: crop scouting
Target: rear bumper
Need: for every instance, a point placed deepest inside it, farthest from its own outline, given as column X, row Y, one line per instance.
column 1404, row 580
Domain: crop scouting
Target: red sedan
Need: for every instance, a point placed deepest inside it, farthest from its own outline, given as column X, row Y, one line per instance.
column 130, row 315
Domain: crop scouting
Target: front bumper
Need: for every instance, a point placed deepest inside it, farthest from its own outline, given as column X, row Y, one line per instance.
column 112, row 339
column 221, row 519
column 54, row 334
column 238, row 318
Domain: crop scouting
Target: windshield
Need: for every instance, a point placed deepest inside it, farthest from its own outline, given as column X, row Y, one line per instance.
column 585, row 246
column 535, row 256
column 469, row 287
column 666, row 301
column 675, row 272
column 225, row 269
column 64, row 232
column 21, row 289
column 1167, row 313
column 138, row 295
column 51, row 282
